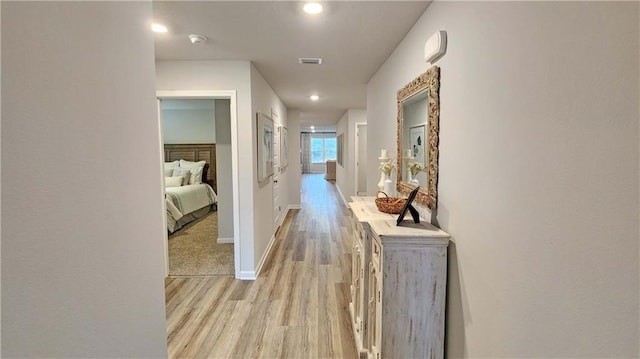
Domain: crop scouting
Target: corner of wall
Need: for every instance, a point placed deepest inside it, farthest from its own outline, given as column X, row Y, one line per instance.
column 0, row 192
column 343, row 174
column 638, row 33
column 294, row 169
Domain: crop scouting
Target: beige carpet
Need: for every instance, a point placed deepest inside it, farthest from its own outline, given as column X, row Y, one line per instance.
column 194, row 250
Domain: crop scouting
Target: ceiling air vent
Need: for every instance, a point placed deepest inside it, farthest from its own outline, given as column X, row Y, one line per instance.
column 310, row 60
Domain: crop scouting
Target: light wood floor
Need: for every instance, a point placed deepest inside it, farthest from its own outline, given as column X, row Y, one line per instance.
column 297, row 308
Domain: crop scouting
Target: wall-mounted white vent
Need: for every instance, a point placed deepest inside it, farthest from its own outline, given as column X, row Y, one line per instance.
column 310, row 60
column 435, row 47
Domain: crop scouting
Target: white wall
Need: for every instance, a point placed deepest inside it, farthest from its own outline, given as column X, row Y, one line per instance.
column 294, row 169
column 538, row 173
column 265, row 100
column 189, row 125
column 223, row 75
column 223, row 170
column 346, row 173
column 343, row 171
column 0, row 192
column 82, row 226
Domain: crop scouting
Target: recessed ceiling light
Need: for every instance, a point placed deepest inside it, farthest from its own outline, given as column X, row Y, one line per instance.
column 312, row 8
column 158, row 27
column 312, row 127
column 314, row 97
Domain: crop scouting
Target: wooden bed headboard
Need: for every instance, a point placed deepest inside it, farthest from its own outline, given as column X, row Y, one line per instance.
column 195, row 152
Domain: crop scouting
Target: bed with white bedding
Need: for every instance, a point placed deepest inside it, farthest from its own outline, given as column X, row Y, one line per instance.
column 188, row 203
column 190, row 182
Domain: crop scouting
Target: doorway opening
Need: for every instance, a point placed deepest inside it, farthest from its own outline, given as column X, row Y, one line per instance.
column 198, row 247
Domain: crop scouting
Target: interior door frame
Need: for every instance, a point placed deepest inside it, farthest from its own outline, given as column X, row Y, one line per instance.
column 235, row 178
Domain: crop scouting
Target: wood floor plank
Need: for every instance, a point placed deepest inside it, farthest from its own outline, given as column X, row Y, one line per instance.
column 234, row 331
column 297, row 308
column 326, row 316
column 295, row 343
column 209, row 313
column 270, row 345
column 344, row 325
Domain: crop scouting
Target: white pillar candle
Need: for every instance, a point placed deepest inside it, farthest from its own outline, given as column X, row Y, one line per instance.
column 383, row 154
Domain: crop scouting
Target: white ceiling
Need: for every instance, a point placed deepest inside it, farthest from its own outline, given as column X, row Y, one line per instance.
column 353, row 38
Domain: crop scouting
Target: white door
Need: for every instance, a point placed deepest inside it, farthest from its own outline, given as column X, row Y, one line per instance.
column 361, row 160
column 277, row 210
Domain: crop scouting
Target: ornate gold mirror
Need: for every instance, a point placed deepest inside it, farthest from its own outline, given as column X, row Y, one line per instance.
column 418, row 128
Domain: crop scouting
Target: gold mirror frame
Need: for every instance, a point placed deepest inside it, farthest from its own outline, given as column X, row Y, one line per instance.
column 429, row 80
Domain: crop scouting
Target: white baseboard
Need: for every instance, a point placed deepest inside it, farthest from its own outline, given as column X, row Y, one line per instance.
column 247, row 275
column 225, row 240
column 253, row 275
column 346, row 203
column 265, row 255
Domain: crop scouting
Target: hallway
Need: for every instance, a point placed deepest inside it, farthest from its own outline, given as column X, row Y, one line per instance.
column 297, row 308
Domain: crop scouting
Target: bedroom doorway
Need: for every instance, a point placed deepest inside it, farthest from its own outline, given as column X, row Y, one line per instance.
column 199, row 128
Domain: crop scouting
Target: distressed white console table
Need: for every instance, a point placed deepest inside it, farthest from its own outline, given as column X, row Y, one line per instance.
column 398, row 289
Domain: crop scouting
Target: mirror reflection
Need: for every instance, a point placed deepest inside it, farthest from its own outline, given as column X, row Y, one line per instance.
column 414, row 139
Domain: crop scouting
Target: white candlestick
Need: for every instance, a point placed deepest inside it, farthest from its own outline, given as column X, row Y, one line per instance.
column 383, row 154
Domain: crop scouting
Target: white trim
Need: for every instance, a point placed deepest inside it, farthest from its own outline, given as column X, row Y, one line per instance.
column 286, row 213
column 346, row 203
column 236, row 182
column 265, row 255
column 253, row 275
column 225, row 240
column 164, row 203
column 281, row 218
column 247, row 275
column 235, row 178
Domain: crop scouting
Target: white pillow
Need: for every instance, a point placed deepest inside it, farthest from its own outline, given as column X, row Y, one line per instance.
column 168, row 172
column 171, row 165
column 184, row 173
column 196, row 169
column 173, row 181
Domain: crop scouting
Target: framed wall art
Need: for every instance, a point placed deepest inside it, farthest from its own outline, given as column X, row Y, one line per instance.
column 265, row 146
column 340, row 148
